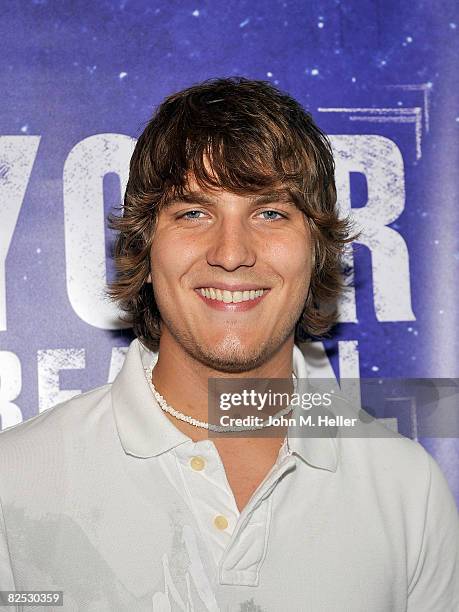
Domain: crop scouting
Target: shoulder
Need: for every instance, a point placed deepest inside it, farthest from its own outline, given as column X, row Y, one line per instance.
column 411, row 495
column 53, row 452
column 370, row 446
column 400, row 472
column 49, row 427
column 386, row 455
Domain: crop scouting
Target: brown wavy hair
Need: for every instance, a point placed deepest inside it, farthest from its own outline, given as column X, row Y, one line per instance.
column 243, row 136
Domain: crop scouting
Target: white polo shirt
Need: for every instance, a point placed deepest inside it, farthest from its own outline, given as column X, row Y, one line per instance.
column 103, row 498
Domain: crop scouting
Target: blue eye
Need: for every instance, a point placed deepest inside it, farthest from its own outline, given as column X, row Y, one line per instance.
column 192, row 213
column 271, row 214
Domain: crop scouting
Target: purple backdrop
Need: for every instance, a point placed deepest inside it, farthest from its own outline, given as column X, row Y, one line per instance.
column 79, row 81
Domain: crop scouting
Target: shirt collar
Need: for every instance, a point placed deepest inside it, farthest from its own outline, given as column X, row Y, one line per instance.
column 318, row 452
column 143, row 428
column 145, row 431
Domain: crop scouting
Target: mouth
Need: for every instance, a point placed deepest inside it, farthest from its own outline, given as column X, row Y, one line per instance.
column 240, row 299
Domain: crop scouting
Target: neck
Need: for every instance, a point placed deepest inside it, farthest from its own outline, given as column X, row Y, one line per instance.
column 183, row 380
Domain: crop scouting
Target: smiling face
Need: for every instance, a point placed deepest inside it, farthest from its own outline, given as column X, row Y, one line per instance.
column 230, row 275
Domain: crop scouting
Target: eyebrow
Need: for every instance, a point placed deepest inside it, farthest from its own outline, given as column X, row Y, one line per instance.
column 196, row 197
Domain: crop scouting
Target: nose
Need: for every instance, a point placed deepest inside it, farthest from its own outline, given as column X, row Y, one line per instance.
column 231, row 245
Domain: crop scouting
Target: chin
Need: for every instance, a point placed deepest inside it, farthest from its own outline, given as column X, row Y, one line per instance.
column 232, row 355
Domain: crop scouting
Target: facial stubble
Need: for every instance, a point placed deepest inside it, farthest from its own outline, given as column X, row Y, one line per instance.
column 231, row 357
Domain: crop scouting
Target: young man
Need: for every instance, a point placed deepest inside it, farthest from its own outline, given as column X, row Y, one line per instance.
column 229, row 247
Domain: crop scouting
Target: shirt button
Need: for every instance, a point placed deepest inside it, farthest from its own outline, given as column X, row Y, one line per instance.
column 197, row 463
column 221, row 522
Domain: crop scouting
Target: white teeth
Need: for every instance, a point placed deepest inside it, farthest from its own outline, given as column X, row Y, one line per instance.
column 229, row 297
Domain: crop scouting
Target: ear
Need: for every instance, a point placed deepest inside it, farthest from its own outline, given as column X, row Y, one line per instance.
column 148, row 278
